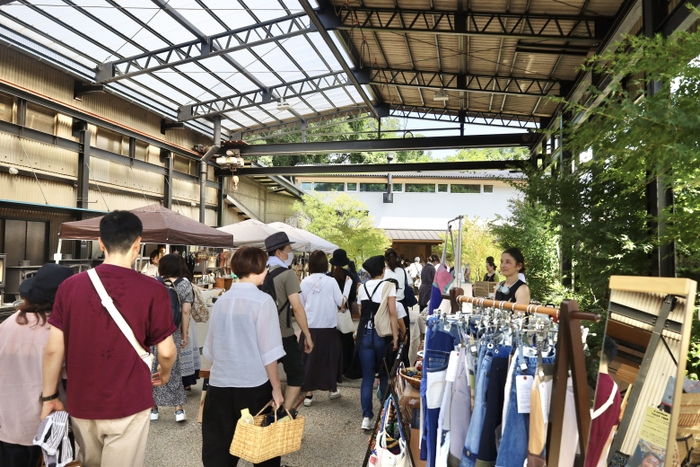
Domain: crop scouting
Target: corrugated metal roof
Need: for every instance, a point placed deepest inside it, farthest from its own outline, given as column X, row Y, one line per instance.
column 419, row 236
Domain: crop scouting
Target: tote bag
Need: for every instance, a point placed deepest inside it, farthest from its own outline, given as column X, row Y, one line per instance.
column 345, row 323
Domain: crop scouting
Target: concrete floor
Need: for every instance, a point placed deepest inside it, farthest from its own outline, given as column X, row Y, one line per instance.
column 332, row 433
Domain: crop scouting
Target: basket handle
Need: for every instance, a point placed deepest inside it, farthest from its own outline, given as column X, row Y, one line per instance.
column 274, row 411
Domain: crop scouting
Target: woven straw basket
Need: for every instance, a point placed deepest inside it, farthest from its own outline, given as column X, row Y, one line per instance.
column 415, row 382
column 689, row 414
column 257, row 444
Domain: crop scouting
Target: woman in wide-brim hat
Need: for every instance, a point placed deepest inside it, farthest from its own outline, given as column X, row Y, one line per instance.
column 23, row 337
column 339, row 261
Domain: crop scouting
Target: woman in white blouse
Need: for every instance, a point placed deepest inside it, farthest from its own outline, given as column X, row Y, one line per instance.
column 397, row 273
column 243, row 343
column 321, row 298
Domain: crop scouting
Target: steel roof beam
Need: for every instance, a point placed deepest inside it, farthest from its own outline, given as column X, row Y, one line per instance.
column 486, row 84
column 375, row 168
column 313, row 15
column 296, row 126
column 389, row 144
column 574, row 29
column 207, row 46
column 262, row 96
column 470, row 118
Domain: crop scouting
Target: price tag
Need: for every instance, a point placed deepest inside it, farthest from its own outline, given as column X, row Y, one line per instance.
column 452, row 367
column 473, row 350
column 523, row 389
column 447, row 327
column 523, row 367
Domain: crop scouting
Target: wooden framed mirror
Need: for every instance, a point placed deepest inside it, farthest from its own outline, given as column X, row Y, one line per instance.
column 649, row 324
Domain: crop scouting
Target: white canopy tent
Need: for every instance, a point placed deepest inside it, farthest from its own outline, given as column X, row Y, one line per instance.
column 253, row 233
column 314, row 241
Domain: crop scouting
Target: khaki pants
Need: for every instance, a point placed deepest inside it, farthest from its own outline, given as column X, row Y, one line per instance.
column 113, row 443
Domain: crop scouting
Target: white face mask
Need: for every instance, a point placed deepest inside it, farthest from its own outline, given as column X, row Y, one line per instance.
column 290, row 258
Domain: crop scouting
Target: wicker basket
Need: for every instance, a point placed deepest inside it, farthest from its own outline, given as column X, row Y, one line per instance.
column 689, row 414
column 413, row 381
column 256, row 443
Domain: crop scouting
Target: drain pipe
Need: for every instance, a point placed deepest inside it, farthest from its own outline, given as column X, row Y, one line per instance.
column 203, row 168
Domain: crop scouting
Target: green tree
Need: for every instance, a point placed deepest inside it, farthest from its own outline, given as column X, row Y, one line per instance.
column 342, row 220
column 489, row 154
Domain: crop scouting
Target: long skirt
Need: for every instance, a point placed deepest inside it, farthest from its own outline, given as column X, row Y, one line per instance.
column 323, row 368
column 171, row 393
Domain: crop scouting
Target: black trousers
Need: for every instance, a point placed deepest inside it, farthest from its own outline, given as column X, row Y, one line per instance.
column 222, row 409
column 16, row 455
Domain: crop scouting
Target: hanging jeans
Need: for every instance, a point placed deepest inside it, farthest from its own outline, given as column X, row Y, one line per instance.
column 471, row 442
column 487, row 452
column 513, row 448
column 371, row 351
column 438, row 345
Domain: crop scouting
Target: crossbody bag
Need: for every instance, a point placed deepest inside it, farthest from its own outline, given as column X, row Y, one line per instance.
column 108, row 303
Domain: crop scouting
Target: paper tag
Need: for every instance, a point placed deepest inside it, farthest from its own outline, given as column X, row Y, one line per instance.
column 473, row 349
column 545, row 391
column 523, row 367
column 523, row 388
column 447, row 327
column 452, row 367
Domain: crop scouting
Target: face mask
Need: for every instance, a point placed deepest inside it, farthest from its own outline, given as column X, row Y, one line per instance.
column 290, row 258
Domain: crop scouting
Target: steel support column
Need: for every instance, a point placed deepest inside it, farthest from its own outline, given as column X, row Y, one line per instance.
column 167, row 158
column 83, row 191
column 659, row 190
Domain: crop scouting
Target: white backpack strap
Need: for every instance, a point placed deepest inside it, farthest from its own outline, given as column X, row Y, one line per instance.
column 608, row 403
column 117, row 317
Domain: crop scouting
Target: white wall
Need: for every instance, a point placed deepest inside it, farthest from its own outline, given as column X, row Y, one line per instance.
column 431, row 211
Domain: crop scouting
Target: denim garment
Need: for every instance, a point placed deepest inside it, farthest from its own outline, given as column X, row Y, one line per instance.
column 513, row 449
column 371, row 351
column 438, row 345
column 494, row 405
column 471, row 443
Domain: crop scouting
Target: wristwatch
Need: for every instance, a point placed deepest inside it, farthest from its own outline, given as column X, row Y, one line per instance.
column 43, row 398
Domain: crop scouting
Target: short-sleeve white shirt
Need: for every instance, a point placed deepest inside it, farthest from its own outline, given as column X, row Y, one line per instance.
column 244, row 336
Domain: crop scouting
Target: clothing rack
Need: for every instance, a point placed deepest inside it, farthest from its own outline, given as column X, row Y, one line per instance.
column 570, row 358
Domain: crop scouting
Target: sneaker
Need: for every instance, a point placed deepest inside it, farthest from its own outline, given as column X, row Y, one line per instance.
column 334, row 394
column 154, row 414
column 308, row 400
column 180, row 415
column 366, row 423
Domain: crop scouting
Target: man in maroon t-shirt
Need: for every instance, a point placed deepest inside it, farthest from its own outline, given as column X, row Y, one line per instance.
column 109, row 393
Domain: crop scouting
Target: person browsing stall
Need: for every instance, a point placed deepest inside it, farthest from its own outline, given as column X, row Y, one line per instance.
column 287, row 290
column 321, row 297
column 23, row 337
column 244, row 343
column 513, row 289
column 109, row 395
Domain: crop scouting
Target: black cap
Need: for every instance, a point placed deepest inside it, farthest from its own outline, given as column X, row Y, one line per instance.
column 42, row 287
column 340, row 258
column 277, row 241
column 374, row 265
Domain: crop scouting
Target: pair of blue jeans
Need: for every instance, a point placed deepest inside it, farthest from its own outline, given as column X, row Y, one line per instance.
column 512, row 451
column 437, row 348
column 371, row 351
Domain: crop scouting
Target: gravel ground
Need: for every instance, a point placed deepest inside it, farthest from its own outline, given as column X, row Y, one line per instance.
column 332, row 433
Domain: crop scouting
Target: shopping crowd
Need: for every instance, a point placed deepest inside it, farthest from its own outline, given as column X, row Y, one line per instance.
column 115, row 348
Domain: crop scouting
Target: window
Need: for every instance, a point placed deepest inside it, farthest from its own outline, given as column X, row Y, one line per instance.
column 373, row 187
column 397, row 187
column 29, row 240
column 6, row 104
column 466, row 189
column 442, row 187
column 420, row 188
column 352, row 187
column 41, row 118
column 488, row 188
column 329, row 186
column 306, row 186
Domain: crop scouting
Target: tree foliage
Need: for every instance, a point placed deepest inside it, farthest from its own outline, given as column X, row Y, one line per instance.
column 489, row 154
column 342, row 220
